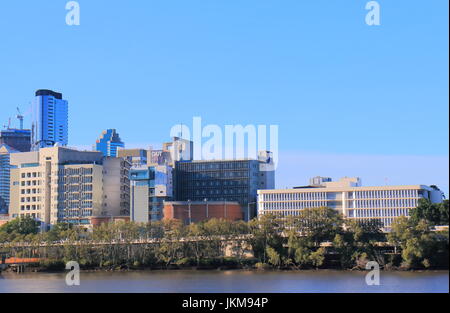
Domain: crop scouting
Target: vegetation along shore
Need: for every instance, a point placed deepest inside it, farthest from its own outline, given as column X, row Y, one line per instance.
column 318, row 238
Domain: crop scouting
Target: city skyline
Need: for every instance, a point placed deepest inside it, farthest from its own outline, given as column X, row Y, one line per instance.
column 373, row 98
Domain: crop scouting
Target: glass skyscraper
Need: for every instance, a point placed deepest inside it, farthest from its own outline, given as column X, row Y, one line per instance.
column 108, row 143
column 50, row 120
column 5, row 167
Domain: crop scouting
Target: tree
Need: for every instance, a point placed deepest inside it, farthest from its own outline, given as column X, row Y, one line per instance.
column 273, row 257
column 267, row 232
column 319, row 224
column 21, row 226
column 415, row 240
column 318, row 257
column 434, row 213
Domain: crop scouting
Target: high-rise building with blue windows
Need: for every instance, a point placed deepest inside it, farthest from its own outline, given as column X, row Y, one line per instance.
column 17, row 139
column 108, row 143
column 5, row 168
column 50, row 120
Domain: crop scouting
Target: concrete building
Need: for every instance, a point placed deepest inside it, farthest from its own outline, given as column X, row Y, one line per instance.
column 349, row 197
column 58, row 184
column 108, row 143
column 50, row 120
column 319, row 181
column 17, row 139
column 5, row 152
column 225, row 180
column 152, row 177
column 197, row 211
column 150, row 187
column 179, row 150
column 137, row 157
column 116, row 187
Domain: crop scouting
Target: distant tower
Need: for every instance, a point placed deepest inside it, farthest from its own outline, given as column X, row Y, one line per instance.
column 50, row 120
column 108, row 143
column 5, row 167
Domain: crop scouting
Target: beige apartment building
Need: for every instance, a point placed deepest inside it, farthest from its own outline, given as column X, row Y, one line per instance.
column 59, row 184
column 350, row 198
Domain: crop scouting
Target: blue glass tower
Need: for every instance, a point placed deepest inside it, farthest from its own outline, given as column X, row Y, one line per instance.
column 108, row 143
column 50, row 120
column 5, row 167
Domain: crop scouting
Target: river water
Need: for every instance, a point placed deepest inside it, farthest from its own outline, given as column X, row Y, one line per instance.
column 238, row 281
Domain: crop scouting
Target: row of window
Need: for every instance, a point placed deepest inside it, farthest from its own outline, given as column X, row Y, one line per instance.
column 215, row 175
column 371, row 194
column 75, row 204
column 31, row 175
column 376, row 194
column 231, row 191
column 30, row 199
column 215, row 166
column 394, row 203
column 30, row 191
column 75, row 171
column 24, row 183
column 32, row 207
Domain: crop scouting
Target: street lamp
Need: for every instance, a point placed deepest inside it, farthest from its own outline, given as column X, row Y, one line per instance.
column 248, row 210
column 190, row 214
column 207, row 209
column 225, row 207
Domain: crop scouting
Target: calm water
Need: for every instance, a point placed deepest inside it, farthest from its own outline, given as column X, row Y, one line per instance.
column 227, row 281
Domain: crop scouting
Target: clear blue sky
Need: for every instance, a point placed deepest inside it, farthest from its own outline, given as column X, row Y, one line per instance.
column 334, row 85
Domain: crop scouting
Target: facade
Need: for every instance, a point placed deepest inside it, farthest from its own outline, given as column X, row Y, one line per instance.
column 152, row 177
column 137, row 157
column 350, row 198
column 116, row 187
column 197, row 211
column 5, row 152
column 108, row 143
column 59, row 184
column 150, row 187
column 319, row 181
column 99, row 220
column 179, row 150
column 17, row 139
column 4, row 218
column 50, row 120
column 225, row 180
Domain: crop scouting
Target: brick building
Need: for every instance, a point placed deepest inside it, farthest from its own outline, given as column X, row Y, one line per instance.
column 197, row 211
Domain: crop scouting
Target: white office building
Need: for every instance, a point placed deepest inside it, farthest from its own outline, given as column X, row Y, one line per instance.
column 350, row 198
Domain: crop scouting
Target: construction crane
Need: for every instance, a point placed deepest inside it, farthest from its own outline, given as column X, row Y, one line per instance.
column 20, row 118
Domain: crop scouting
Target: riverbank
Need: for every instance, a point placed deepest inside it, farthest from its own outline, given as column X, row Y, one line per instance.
column 59, row 267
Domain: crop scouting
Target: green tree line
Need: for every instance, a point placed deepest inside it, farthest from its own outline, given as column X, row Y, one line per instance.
column 316, row 238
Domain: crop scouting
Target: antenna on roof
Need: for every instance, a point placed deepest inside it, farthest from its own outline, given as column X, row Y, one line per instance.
column 9, row 124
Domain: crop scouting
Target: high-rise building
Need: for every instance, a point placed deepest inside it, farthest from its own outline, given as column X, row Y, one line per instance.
column 5, row 152
column 152, row 177
column 108, row 143
column 17, row 139
column 350, row 198
column 151, row 186
column 50, row 120
column 225, row 180
column 59, row 184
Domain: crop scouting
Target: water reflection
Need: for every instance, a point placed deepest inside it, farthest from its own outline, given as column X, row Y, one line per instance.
column 227, row 281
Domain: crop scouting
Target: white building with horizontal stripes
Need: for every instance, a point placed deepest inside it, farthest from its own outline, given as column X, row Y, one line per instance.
column 350, row 198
